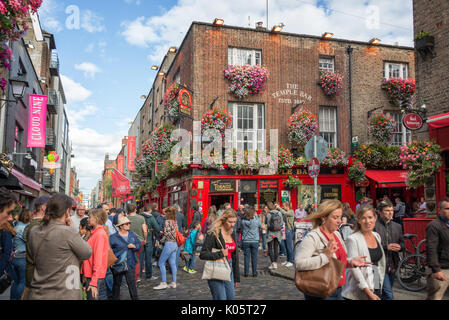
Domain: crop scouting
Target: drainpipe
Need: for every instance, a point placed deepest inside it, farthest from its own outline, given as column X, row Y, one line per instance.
column 349, row 51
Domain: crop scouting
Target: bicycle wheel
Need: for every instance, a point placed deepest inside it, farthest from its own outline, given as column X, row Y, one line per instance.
column 411, row 272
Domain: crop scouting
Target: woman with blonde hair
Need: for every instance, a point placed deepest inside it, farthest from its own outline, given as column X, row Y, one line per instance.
column 169, row 252
column 94, row 269
column 221, row 243
column 365, row 283
column 323, row 243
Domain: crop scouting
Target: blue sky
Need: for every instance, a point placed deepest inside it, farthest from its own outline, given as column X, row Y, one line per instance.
column 106, row 55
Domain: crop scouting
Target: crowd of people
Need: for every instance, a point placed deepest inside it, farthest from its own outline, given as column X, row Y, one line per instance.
column 63, row 251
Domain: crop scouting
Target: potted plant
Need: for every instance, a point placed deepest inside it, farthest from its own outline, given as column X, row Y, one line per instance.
column 302, row 125
column 292, row 183
column 246, row 79
column 335, row 158
column 424, row 40
column 422, row 159
column 356, row 172
column 331, row 83
column 381, row 128
column 216, row 118
column 399, row 91
column 285, row 157
column 171, row 101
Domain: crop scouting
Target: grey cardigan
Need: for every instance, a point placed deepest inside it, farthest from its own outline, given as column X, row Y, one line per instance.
column 57, row 272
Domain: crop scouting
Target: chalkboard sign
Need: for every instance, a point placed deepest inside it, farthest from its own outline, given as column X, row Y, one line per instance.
column 248, row 186
column 269, row 186
column 330, row 192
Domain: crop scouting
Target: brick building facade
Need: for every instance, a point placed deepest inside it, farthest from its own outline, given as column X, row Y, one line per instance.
column 432, row 76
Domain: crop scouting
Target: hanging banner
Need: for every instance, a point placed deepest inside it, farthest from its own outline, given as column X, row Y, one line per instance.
column 120, row 185
column 131, row 153
column 37, row 117
column 121, row 163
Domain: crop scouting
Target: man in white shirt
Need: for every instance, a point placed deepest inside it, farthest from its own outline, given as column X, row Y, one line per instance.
column 79, row 215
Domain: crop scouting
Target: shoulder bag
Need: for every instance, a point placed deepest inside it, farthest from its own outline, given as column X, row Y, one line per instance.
column 111, row 257
column 180, row 239
column 321, row 282
column 217, row 269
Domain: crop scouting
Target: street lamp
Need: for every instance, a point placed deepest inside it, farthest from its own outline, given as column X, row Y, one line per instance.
column 327, row 35
column 18, row 88
column 374, row 41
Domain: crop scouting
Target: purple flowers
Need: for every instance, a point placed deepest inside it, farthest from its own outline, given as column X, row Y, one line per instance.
column 246, row 79
column 331, row 82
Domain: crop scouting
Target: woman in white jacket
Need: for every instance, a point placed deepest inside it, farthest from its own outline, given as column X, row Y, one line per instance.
column 365, row 283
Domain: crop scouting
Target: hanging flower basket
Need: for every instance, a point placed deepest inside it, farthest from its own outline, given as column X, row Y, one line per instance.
column 285, row 157
column 422, row 159
column 246, row 79
column 12, row 14
column 292, row 183
column 335, row 158
column 381, row 128
column 399, row 91
column 356, row 172
column 159, row 145
column 216, row 119
column 331, row 83
column 171, row 101
column 302, row 125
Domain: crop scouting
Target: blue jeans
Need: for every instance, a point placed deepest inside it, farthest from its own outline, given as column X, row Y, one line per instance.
column 178, row 253
column 264, row 240
column 222, row 290
column 334, row 296
column 250, row 251
column 289, row 245
column 109, row 280
column 18, row 285
column 282, row 250
column 148, row 253
column 101, row 287
column 387, row 288
column 191, row 263
column 168, row 253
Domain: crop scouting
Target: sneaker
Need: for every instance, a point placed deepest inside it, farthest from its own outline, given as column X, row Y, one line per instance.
column 185, row 269
column 154, row 263
column 284, row 263
column 138, row 280
column 172, row 285
column 289, row 264
column 152, row 278
column 191, row 271
column 161, row 286
column 273, row 266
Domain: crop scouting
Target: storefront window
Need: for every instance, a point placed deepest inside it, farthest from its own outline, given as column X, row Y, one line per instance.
column 269, row 191
column 248, row 192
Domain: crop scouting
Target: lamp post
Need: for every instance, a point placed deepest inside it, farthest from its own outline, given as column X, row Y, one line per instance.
column 18, row 90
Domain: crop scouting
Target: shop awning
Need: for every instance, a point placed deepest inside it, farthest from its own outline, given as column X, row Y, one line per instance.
column 439, row 121
column 388, row 178
column 26, row 180
column 11, row 183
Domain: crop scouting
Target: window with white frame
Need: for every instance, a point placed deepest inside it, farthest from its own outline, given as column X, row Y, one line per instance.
column 395, row 70
column 248, row 126
column 237, row 56
column 401, row 135
column 326, row 64
column 328, row 125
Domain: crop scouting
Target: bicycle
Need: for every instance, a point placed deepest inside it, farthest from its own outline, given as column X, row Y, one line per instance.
column 411, row 272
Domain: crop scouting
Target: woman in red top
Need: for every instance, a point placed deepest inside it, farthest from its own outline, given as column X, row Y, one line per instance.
column 222, row 238
column 325, row 242
column 94, row 269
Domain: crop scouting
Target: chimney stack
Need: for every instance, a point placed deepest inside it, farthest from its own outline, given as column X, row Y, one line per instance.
column 259, row 26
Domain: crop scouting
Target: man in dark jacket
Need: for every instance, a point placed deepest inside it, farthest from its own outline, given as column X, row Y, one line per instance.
column 437, row 233
column 153, row 229
column 197, row 215
column 392, row 242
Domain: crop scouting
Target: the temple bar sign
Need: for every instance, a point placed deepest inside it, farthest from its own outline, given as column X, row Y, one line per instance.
column 292, row 95
column 222, row 186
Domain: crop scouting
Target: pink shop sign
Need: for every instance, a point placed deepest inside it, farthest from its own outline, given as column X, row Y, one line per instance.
column 37, row 121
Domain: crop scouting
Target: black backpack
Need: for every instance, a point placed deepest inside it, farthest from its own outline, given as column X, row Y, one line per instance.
column 275, row 221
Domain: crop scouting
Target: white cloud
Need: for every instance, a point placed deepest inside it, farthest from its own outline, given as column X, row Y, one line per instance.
column 74, row 91
column 47, row 13
column 89, row 69
column 91, row 22
column 349, row 19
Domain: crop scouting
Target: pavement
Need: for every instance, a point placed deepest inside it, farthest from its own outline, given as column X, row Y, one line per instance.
column 275, row 284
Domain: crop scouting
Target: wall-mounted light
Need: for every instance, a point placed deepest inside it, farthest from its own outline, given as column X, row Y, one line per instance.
column 327, row 35
column 172, row 50
column 154, row 68
column 18, row 88
column 277, row 29
column 218, row 22
column 143, row 97
column 161, row 74
column 374, row 41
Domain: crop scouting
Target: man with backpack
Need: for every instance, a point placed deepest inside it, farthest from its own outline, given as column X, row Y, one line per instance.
column 275, row 222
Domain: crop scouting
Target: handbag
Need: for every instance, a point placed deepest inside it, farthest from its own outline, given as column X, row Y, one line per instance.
column 111, row 257
column 180, row 239
column 5, row 282
column 217, row 269
column 121, row 266
column 321, row 282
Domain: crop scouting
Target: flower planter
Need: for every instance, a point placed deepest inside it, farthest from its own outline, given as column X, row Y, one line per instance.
column 425, row 42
